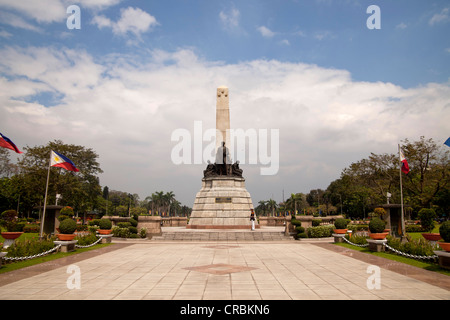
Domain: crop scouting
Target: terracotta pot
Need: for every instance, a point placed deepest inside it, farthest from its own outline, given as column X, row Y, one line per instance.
column 11, row 235
column 102, row 231
column 66, row 237
column 378, row 236
column 445, row 246
column 432, row 236
column 340, row 231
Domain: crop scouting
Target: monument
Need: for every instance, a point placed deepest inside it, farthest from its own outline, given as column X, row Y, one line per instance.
column 223, row 202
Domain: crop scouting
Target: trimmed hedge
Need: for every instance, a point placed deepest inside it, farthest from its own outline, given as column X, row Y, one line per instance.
column 320, row 231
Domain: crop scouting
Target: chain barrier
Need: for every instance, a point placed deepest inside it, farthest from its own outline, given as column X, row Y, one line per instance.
column 395, row 250
column 89, row 245
column 49, row 251
column 358, row 245
column 33, row 256
column 410, row 255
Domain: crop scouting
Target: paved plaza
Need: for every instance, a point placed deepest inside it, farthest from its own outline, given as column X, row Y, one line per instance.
column 224, row 270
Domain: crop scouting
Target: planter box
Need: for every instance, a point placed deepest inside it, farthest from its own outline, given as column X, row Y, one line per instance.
column 432, row 236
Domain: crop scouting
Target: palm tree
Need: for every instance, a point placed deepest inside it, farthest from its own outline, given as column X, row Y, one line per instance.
column 294, row 201
column 263, row 206
column 169, row 198
column 272, row 204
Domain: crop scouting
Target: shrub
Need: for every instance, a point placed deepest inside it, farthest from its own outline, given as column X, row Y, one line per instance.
column 123, row 224
column 419, row 246
column 94, row 222
column 444, row 230
column 67, row 226
column 427, row 217
column 356, row 239
column 341, row 223
column 296, row 223
column 413, row 228
column 86, row 239
column 133, row 222
column 105, row 224
column 62, row 217
column 9, row 220
column 82, row 227
column 316, row 222
column 143, row 233
column 66, row 211
column 121, row 232
column 376, row 225
column 320, row 231
column 31, row 228
column 133, row 230
column 29, row 247
column 379, row 211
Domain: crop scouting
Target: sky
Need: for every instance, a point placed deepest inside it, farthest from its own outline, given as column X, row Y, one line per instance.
column 325, row 82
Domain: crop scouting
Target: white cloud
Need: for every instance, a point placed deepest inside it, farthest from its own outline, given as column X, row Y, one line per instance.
column 266, row 32
column 127, row 112
column 25, row 14
column 132, row 20
column 401, row 26
column 230, row 20
column 443, row 16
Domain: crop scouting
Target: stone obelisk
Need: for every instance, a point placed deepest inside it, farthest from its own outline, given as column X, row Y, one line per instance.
column 222, row 117
column 223, row 202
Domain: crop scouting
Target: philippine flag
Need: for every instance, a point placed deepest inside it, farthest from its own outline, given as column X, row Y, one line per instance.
column 405, row 166
column 5, row 142
column 58, row 160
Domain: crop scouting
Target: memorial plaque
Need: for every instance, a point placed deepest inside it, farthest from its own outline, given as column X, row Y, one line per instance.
column 223, row 200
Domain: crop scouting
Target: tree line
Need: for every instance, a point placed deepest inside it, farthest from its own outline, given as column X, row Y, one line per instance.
column 365, row 184
column 22, row 185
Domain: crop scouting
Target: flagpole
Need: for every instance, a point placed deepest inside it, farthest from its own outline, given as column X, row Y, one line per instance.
column 45, row 198
column 401, row 192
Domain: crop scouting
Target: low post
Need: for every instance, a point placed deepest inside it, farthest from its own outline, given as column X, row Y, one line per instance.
column 338, row 237
column 106, row 238
column 444, row 259
column 377, row 245
column 2, row 254
column 66, row 246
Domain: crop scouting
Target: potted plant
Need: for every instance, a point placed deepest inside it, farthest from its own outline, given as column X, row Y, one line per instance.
column 444, row 231
column 105, row 226
column 67, row 228
column 376, row 228
column 427, row 217
column 9, row 221
column 341, row 226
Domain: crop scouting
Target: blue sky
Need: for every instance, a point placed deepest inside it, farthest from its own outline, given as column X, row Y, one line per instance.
column 410, row 49
column 138, row 70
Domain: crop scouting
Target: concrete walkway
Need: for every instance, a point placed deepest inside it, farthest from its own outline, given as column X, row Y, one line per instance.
column 222, row 270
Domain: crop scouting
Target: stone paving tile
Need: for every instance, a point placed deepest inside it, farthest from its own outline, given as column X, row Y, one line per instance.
column 240, row 270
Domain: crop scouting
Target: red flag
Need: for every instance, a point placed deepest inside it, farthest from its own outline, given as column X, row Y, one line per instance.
column 405, row 166
column 7, row 143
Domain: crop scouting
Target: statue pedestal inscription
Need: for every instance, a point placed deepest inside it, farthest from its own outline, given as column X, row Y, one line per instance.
column 223, row 202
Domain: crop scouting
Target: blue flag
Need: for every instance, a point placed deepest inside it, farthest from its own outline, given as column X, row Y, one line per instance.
column 447, row 143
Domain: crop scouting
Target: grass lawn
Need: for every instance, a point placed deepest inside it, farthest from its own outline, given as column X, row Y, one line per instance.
column 427, row 265
column 10, row 266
